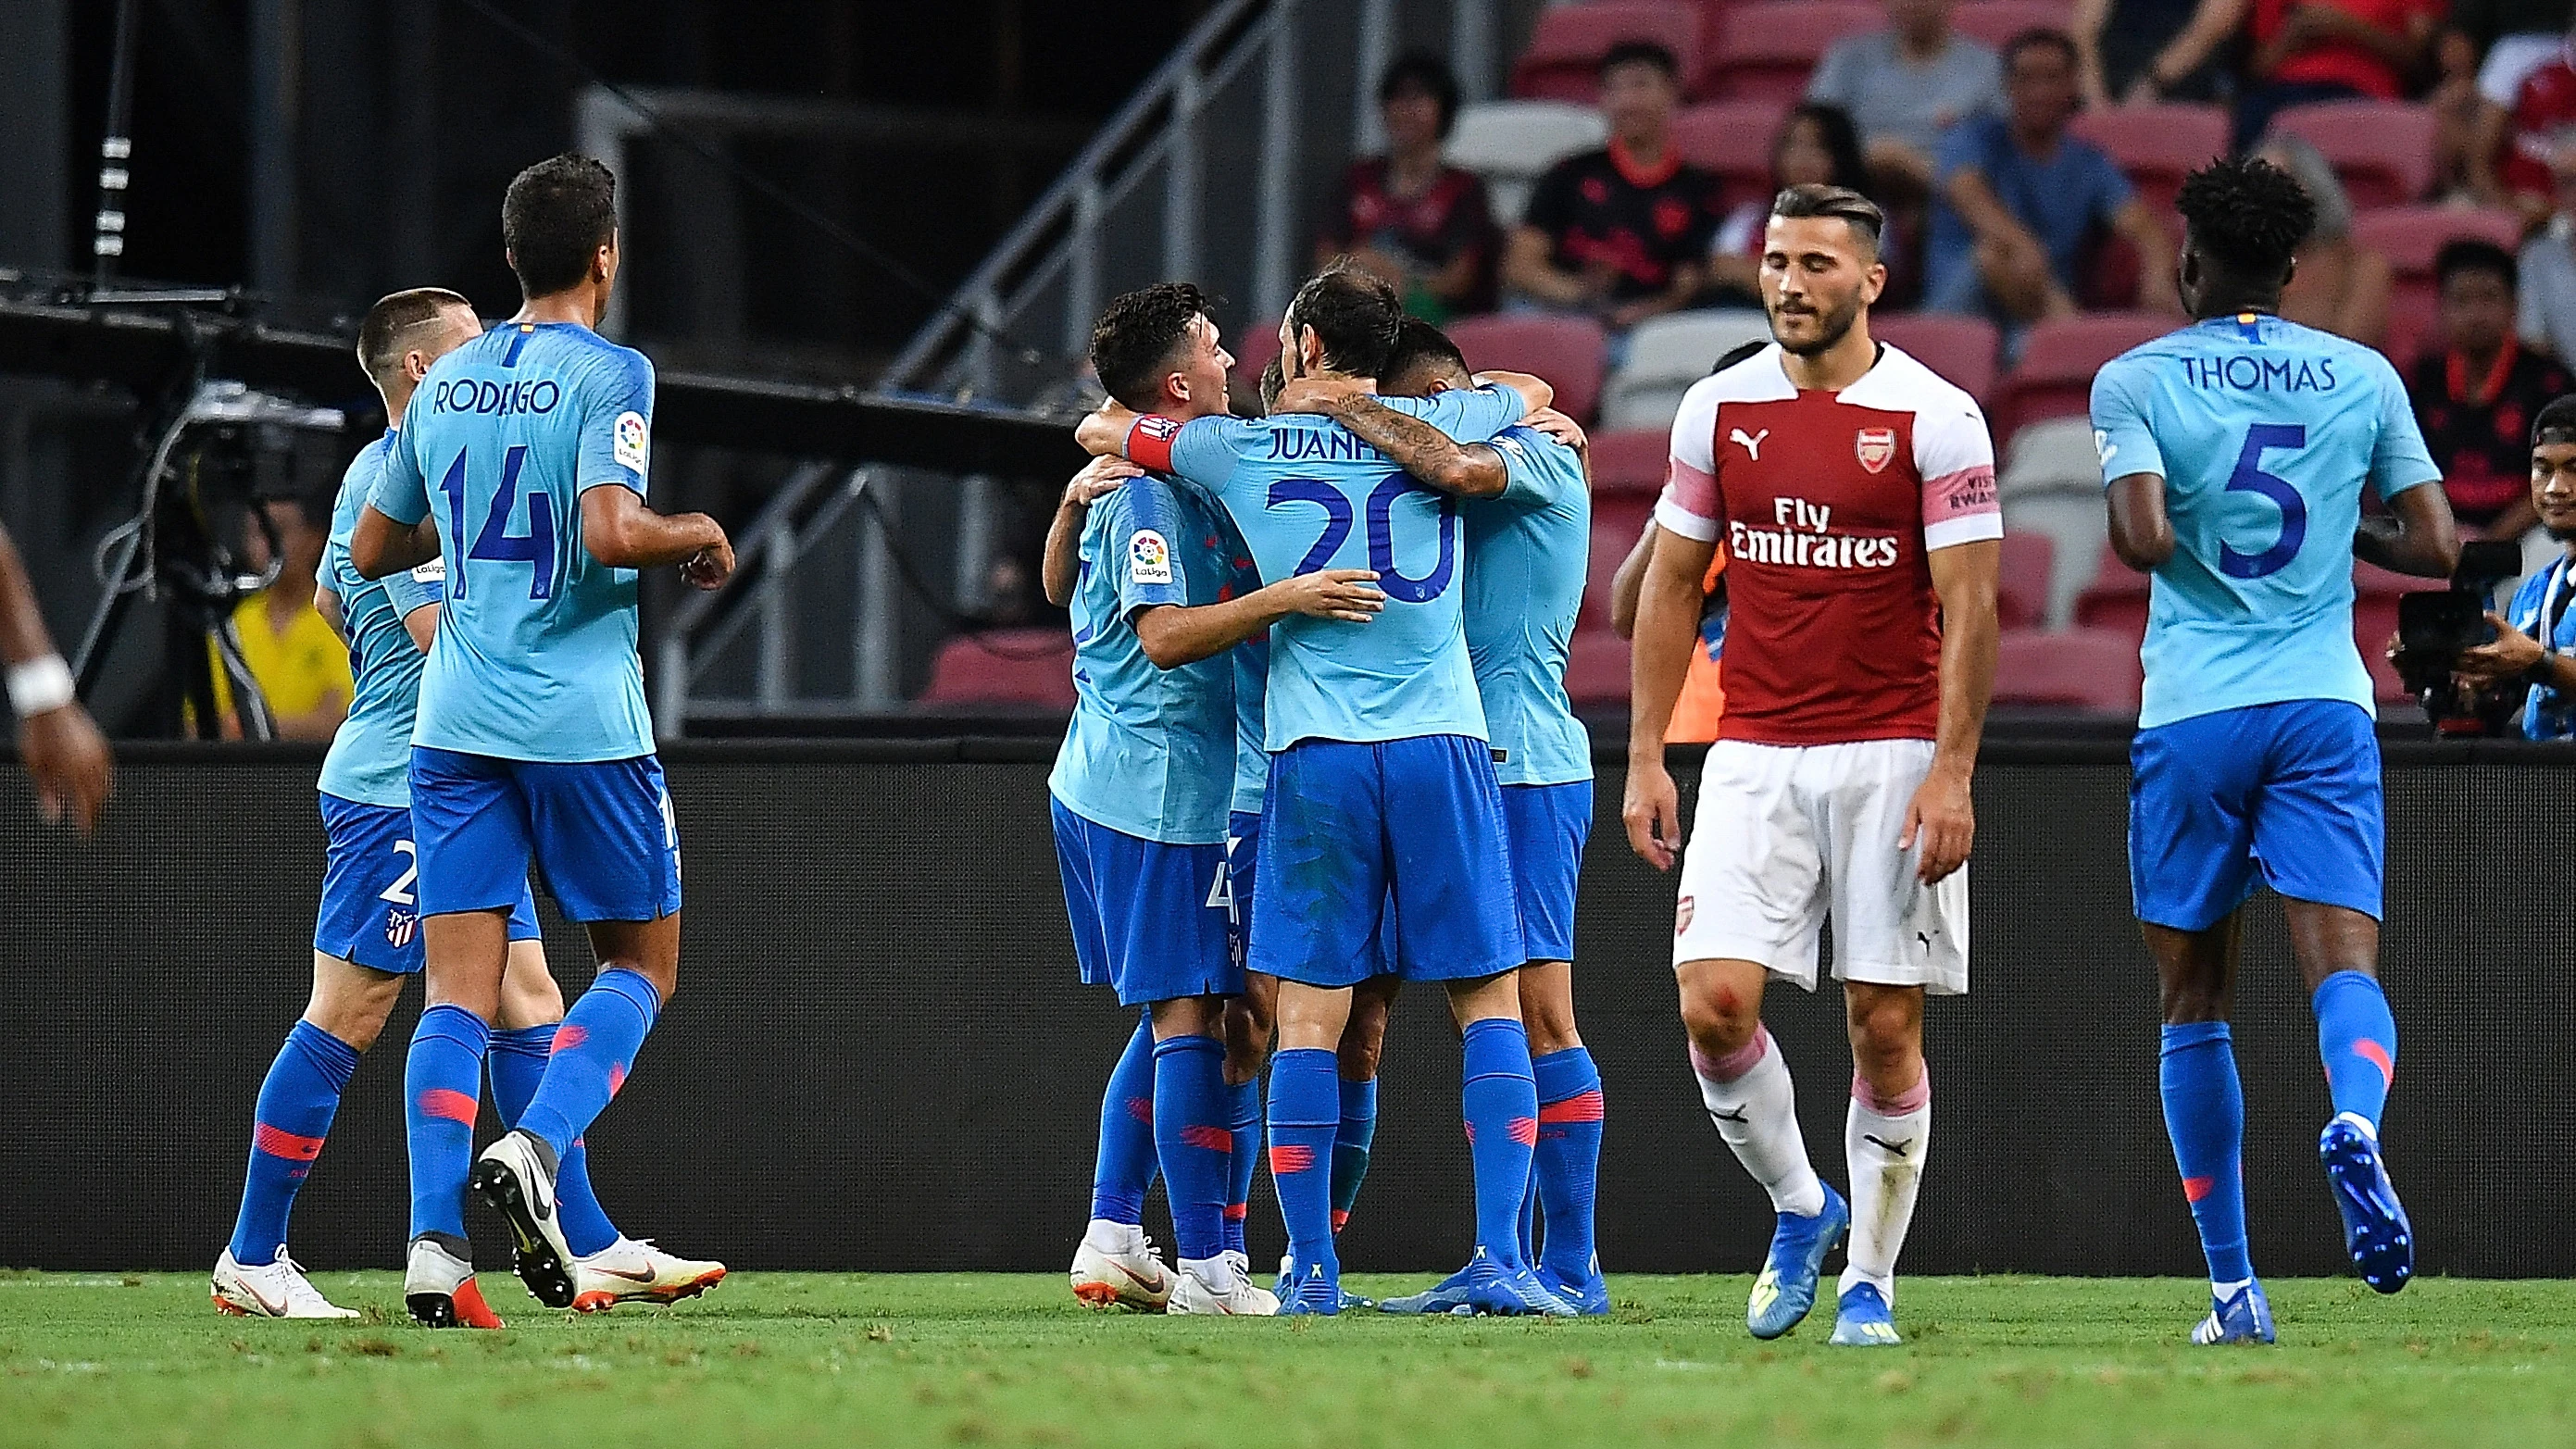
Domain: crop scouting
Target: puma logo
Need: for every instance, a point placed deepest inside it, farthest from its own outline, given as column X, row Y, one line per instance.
column 1900, row 1149
column 1753, row 444
column 1926, row 940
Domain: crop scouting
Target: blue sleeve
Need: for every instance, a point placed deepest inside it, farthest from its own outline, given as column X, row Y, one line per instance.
column 2399, row 460
column 617, row 423
column 2524, row 612
column 411, row 589
column 1540, row 471
column 1205, row 451
column 1468, row 414
column 1139, row 547
column 2120, row 432
column 402, row 494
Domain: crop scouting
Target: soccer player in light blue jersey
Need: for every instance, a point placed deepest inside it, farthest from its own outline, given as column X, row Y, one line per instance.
column 526, row 451
column 1381, row 792
column 2236, row 452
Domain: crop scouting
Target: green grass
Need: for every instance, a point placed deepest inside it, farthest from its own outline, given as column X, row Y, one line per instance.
column 862, row 1359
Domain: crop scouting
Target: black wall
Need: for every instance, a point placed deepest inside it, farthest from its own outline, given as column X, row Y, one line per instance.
column 878, row 1058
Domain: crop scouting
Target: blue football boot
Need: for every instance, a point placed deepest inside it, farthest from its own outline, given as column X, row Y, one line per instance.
column 1449, row 1295
column 1787, row 1287
column 1491, row 1288
column 1862, row 1319
column 1351, row 1302
column 1589, row 1297
column 2375, row 1230
column 1317, row 1289
column 2246, row 1317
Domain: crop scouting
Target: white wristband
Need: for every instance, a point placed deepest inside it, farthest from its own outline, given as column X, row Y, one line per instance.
column 40, row 686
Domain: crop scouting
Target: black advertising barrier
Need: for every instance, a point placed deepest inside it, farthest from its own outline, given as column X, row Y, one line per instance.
column 878, row 1058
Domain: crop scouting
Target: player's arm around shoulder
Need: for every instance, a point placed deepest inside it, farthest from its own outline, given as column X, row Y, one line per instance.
column 1414, row 443
column 1173, row 632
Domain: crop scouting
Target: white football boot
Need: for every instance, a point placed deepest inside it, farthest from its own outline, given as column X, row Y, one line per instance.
column 439, row 1289
column 271, row 1290
column 1222, row 1291
column 634, row 1271
column 1117, row 1267
column 515, row 1178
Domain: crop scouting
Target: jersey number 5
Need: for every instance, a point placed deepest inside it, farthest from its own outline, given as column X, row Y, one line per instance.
column 1381, row 534
column 494, row 542
column 2249, row 477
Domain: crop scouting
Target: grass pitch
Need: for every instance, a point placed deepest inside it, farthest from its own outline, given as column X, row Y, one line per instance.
column 984, row 1359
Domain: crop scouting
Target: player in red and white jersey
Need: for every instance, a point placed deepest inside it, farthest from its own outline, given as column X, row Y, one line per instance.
column 1854, row 491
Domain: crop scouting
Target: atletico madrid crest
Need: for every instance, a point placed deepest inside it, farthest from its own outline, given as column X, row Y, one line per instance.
column 1876, row 447
column 400, row 927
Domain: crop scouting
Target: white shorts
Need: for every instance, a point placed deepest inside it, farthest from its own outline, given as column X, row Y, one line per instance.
column 1787, row 835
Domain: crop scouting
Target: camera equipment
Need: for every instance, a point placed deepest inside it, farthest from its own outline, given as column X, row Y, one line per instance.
column 2433, row 628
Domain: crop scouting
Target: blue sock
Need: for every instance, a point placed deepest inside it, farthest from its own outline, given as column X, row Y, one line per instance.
column 1125, row 1166
column 1194, row 1141
column 296, row 1105
column 2205, row 1117
column 2358, row 1039
column 517, row 1062
column 1243, row 1107
column 1568, row 1158
column 1500, row 1102
column 442, row 1094
column 1351, row 1141
column 1305, row 1114
column 1529, row 1215
column 595, row 1046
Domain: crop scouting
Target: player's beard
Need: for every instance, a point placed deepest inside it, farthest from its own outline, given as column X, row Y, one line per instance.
column 1834, row 326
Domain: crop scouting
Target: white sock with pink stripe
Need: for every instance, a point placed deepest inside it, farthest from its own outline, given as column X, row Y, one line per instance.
column 1885, row 1139
column 1755, row 1106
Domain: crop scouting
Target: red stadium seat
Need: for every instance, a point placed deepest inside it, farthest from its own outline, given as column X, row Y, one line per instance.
column 2021, row 600
column 2116, row 600
column 2381, row 150
column 2058, row 359
column 2089, row 669
column 1766, row 50
column 1567, row 351
column 1617, row 519
column 1629, row 462
column 1563, row 61
column 1961, row 349
column 2156, row 146
column 1997, row 21
column 1025, row 667
column 1732, row 139
column 2410, row 237
column 1596, row 670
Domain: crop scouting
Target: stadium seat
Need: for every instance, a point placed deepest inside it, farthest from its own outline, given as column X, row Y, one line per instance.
column 1732, row 139
column 2156, row 146
column 2058, row 359
column 2116, row 599
column 2410, row 237
column 1961, row 349
column 2088, row 669
column 1666, row 355
column 1564, row 350
column 1630, row 461
column 1596, row 670
column 2021, row 600
column 2381, row 150
column 1997, row 21
column 1017, row 667
column 1765, row 51
column 1617, row 519
column 1563, row 59
column 2056, row 456
column 1512, row 143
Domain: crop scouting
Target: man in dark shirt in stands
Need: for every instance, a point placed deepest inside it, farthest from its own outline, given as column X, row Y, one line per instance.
column 1621, row 233
column 2477, row 391
column 1423, row 225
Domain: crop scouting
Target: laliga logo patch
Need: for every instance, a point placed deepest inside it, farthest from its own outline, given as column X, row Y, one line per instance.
column 1149, row 558
column 1876, row 448
column 1682, row 914
column 632, row 445
column 432, row 572
column 2104, row 447
column 400, row 927
column 1161, row 429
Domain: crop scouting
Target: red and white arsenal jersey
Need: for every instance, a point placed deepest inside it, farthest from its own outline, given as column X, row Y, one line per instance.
column 1829, row 504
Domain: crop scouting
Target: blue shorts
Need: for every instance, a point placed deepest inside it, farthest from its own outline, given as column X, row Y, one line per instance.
column 2290, row 790
column 1353, row 835
column 370, row 902
column 602, row 832
column 1148, row 917
column 1549, row 824
column 1242, row 857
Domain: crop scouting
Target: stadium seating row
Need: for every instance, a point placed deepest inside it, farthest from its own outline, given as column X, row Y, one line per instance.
column 1761, row 50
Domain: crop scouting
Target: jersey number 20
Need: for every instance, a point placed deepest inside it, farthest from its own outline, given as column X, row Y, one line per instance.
column 1381, row 534
column 2249, row 477
column 494, row 542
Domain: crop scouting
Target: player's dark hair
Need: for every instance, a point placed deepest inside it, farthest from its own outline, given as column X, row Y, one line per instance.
column 394, row 326
column 1274, row 380
column 2556, row 423
column 1355, row 314
column 2475, row 254
column 1641, row 52
column 1421, row 351
column 2247, row 215
column 555, row 217
column 2039, row 35
column 1422, row 71
column 1135, row 341
column 1859, row 212
column 1738, row 353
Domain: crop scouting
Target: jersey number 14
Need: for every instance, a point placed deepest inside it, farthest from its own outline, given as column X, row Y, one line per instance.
column 494, row 542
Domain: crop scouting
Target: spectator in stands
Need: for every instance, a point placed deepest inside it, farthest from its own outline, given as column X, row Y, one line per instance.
column 2547, row 305
column 2324, row 50
column 2019, row 199
column 2339, row 286
column 1621, row 233
column 1815, row 145
column 297, row 657
column 2516, row 38
column 1905, row 85
column 2527, row 133
column 2535, row 642
column 1424, row 226
column 2141, row 51
column 2477, row 393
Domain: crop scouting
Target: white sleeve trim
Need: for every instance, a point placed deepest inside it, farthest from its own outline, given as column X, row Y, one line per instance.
column 1974, row 528
column 1673, row 518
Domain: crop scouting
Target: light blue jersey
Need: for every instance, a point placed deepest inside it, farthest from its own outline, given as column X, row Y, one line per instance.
column 1308, row 494
column 2265, row 433
column 1251, row 722
column 1150, row 751
column 2540, row 610
column 370, row 757
column 536, row 657
column 1526, row 557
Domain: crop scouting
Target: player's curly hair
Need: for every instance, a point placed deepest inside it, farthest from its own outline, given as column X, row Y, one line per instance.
column 2247, row 215
column 1421, row 350
column 1133, row 342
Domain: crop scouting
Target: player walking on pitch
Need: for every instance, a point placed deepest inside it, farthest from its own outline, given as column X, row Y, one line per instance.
column 2236, row 451
column 1855, row 493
